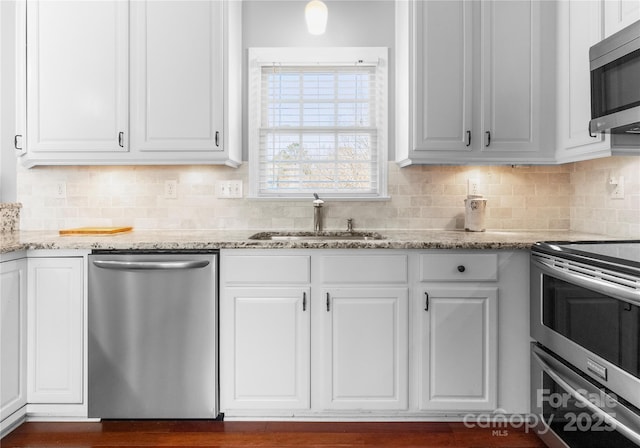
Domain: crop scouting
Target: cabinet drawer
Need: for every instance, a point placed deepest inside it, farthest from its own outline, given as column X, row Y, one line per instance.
column 265, row 269
column 463, row 267
column 369, row 269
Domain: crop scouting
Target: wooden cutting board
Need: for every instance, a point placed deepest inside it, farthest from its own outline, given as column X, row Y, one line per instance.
column 95, row 230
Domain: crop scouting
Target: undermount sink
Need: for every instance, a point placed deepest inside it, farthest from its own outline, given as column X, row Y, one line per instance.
column 316, row 236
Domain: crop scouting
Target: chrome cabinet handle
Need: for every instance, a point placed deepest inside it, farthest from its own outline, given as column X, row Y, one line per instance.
column 121, row 139
column 15, row 142
column 328, row 303
column 150, row 265
column 304, row 301
column 217, row 139
column 488, row 134
column 426, row 301
column 468, row 138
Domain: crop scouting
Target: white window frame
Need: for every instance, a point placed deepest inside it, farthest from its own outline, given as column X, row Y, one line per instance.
column 322, row 56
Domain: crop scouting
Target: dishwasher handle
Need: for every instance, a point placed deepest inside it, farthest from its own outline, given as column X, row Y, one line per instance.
column 151, row 265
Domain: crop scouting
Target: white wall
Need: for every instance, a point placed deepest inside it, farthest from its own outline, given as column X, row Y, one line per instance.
column 351, row 23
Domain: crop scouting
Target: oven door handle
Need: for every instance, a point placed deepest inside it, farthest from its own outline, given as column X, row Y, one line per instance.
column 565, row 380
column 595, row 284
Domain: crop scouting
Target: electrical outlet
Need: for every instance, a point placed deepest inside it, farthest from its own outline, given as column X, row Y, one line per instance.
column 171, row 189
column 229, row 189
column 618, row 190
column 473, row 187
column 61, row 190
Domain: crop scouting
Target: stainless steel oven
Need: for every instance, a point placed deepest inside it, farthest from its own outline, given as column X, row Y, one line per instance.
column 585, row 321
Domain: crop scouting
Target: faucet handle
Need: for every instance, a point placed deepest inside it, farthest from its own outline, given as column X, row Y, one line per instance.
column 317, row 202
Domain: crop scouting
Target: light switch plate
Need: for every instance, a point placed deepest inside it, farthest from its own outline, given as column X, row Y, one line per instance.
column 171, row 189
column 229, row 189
column 618, row 188
column 61, row 190
column 473, row 187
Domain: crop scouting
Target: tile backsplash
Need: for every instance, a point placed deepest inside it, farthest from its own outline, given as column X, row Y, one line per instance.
column 572, row 196
column 593, row 209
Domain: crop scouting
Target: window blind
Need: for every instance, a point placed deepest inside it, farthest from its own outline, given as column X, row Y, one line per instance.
column 318, row 130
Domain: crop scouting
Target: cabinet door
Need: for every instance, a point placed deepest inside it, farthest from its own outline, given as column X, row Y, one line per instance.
column 458, row 348
column 265, row 348
column 77, row 76
column 13, row 336
column 510, row 76
column 579, row 27
column 619, row 14
column 443, row 70
column 56, row 333
column 177, row 76
column 364, row 354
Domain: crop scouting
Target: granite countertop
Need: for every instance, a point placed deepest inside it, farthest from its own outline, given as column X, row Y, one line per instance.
column 223, row 239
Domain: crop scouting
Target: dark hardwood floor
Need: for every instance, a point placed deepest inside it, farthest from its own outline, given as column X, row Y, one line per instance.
column 265, row 435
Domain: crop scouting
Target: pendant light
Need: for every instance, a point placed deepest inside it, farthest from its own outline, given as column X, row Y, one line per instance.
column 316, row 14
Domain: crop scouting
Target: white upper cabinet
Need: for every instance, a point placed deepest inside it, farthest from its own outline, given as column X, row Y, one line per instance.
column 619, row 14
column 581, row 24
column 443, row 75
column 469, row 83
column 511, row 76
column 77, row 77
column 177, row 76
column 579, row 27
column 139, row 82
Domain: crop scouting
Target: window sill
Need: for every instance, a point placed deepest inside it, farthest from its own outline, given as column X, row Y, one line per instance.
column 324, row 198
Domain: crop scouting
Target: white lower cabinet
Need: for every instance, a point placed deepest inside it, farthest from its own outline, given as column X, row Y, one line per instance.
column 265, row 329
column 364, row 354
column 265, row 360
column 458, row 348
column 456, row 305
column 361, row 334
column 13, row 340
column 55, row 330
column 292, row 344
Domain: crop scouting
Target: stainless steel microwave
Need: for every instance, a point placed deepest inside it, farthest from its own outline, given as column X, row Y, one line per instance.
column 615, row 82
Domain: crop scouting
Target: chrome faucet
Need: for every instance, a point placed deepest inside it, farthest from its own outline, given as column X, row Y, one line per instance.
column 317, row 213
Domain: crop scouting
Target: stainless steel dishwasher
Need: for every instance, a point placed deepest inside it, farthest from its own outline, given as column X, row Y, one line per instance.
column 152, row 335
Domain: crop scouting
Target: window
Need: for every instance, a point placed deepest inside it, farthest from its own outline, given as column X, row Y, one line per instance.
column 318, row 122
